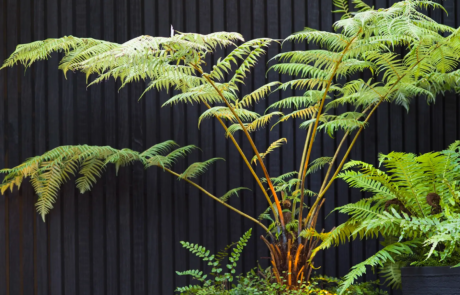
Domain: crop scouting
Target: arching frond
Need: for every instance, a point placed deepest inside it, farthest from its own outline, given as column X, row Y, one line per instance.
column 232, row 192
column 302, row 114
column 381, row 257
column 198, row 168
column 342, row 6
column 51, row 170
column 262, row 121
column 276, row 144
column 311, row 97
column 226, row 113
column 258, row 94
column 318, row 164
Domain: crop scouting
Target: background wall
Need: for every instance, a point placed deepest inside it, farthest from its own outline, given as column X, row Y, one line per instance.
column 123, row 237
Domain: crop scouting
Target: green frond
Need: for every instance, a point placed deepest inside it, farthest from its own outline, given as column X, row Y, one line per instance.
column 226, row 114
column 379, row 259
column 244, row 56
column 48, row 172
column 233, row 128
column 232, row 192
column 181, row 152
column 347, row 121
column 276, row 144
column 331, row 41
column 302, row 70
column 257, row 94
column 342, row 6
column 27, row 54
column 198, row 168
column 391, row 272
column 310, row 83
column 302, row 114
column 361, row 6
column 282, row 178
column 90, row 169
column 262, row 121
column 311, row 97
column 318, row 164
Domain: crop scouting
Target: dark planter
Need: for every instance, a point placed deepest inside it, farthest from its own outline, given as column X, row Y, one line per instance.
column 430, row 280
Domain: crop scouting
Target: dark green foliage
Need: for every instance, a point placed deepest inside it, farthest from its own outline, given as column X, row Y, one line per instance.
column 415, row 206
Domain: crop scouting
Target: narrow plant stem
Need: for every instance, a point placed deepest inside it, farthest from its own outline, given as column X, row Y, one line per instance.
column 264, row 169
column 301, row 166
column 303, row 155
column 333, row 160
column 247, row 163
column 312, row 140
column 219, row 200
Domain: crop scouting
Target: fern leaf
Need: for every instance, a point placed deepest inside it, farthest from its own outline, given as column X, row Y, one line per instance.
column 257, row 94
column 198, row 168
column 226, row 113
column 232, row 192
column 381, row 257
column 278, row 143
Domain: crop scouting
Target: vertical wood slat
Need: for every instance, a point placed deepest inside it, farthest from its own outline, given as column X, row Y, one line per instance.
column 3, row 151
column 54, row 112
column 12, row 135
column 167, row 181
column 110, row 138
column 193, row 137
column 179, row 192
column 69, row 225
column 124, row 175
column 41, row 231
column 98, row 274
column 124, row 238
column 152, row 184
column 259, row 24
column 26, row 150
column 247, row 198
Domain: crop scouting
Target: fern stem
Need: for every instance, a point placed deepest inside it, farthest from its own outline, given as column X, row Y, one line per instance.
column 247, row 163
column 310, row 147
column 220, row 201
column 333, row 160
column 301, row 166
column 267, row 176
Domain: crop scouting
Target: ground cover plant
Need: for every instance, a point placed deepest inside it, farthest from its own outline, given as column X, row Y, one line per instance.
column 222, row 279
column 363, row 41
column 415, row 207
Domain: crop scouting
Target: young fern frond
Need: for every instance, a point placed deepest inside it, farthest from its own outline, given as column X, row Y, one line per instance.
column 276, row 144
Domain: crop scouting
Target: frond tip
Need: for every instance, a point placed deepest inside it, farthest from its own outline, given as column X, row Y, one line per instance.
column 51, row 170
column 270, row 149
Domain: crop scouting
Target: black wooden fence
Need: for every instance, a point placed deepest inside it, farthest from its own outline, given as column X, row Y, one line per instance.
column 123, row 237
